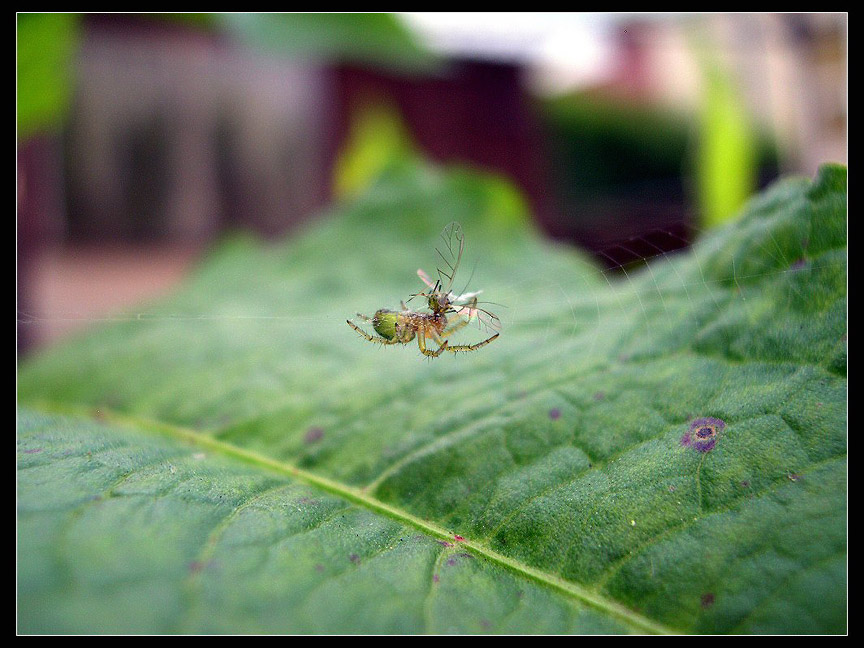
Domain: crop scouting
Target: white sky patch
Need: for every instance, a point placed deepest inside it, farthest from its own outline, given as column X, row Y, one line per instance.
column 561, row 50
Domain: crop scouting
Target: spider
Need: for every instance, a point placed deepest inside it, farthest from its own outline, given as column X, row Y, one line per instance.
column 401, row 327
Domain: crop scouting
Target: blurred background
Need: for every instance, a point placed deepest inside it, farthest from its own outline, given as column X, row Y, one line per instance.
column 144, row 138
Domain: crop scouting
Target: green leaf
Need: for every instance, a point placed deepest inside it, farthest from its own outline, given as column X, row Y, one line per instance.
column 727, row 155
column 379, row 39
column 240, row 460
column 46, row 44
column 378, row 141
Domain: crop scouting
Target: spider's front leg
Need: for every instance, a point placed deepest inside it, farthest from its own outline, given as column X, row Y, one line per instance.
column 371, row 338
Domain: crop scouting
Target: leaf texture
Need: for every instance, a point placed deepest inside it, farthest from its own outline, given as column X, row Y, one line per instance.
column 237, row 460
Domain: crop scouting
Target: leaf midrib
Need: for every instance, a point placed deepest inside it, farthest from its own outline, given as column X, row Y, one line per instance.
column 360, row 498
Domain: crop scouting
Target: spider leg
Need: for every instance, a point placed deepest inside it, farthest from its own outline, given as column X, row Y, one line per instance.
column 365, row 318
column 471, row 347
column 421, row 342
column 455, row 326
column 372, row 338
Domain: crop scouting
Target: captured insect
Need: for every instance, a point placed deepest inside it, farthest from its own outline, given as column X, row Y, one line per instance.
column 449, row 312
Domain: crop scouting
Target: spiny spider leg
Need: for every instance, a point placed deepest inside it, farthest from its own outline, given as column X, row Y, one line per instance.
column 471, row 347
column 371, row 338
column 421, row 342
column 455, row 326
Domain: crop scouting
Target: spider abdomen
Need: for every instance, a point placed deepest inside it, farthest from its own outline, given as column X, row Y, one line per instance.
column 393, row 326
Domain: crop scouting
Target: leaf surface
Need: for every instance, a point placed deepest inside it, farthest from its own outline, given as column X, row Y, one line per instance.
column 242, row 461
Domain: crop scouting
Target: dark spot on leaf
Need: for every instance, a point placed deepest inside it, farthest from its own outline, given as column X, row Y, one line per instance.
column 33, row 450
column 485, row 623
column 465, row 555
column 555, row 414
column 598, row 396
column 703, row 434
column 798, row 264
column 354, row 558
column 319, row 567
column 745, row 484
column 196, row 566
column 445, row 543
column 794, row 477
column 672, row 489
column 314, row 434
column 707, row 600
column 451, row 561
column 435, row 578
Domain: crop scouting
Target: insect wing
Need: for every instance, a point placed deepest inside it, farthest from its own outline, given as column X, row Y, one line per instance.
column 450, row 254
column 483, row 316
column 425, row 278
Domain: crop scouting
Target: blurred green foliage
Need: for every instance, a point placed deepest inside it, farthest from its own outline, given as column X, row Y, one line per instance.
column 378, row 140
column 372, row 38
column 727, row 152
column 46, row 45
column 603, row 147
column 609, row 142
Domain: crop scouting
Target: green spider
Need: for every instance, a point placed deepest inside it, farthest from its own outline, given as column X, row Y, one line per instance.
column 401, row 327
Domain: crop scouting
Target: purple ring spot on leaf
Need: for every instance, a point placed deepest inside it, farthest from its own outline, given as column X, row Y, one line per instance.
column 703, row 434
column 314, row 434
